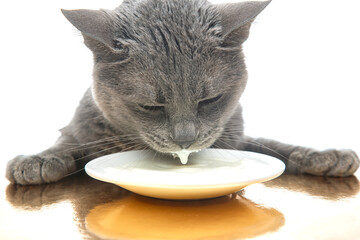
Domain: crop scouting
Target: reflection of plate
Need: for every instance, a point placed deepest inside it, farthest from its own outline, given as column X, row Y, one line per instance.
column 209, row 173
column 135, row 217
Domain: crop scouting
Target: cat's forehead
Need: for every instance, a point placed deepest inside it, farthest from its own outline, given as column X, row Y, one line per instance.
column 172, row 47
column 167, row 27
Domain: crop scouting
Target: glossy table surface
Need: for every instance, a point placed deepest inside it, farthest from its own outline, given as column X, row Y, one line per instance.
column 79, row 207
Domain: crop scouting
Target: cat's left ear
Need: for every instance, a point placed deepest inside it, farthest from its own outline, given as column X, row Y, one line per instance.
column 236, row 19
column 92, row 23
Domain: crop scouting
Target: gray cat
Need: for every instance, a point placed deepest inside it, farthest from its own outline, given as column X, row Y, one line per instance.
column 167, row 76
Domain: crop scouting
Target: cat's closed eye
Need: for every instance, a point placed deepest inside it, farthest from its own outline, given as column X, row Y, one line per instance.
column 209, row 101
column 151, row 108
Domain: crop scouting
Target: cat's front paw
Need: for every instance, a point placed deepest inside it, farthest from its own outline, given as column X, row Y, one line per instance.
column 26, row 170
column 337, row 163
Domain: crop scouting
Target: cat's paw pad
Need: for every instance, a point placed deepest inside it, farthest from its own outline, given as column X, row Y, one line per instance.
column 35, row 169
column 338, row 163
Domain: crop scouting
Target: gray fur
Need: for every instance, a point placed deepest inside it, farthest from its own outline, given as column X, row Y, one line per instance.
column 167, row 75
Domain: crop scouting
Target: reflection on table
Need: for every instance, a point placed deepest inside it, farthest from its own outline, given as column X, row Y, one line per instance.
column 288, row 206
column 136, row 217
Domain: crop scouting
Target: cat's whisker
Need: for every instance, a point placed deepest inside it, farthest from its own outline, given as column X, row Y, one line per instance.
column 229, row 131
column 254, row 143
column 100, row 142
column 107, row 149
column 258, row 145
column 75, row 172
column 215, row 146
column 92, row 142
column 95, row 153
column 135, row 163
column 228, row 146
column 85, row 147
column 155, row 153
column 132, row 147
column 80, row 170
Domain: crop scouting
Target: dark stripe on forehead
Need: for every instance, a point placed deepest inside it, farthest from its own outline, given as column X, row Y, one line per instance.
column 160, row 98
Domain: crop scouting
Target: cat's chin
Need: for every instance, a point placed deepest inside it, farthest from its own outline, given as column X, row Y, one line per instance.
column 183, row 155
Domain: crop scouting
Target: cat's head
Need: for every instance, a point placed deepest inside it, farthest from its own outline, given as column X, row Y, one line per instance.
column 168, row 72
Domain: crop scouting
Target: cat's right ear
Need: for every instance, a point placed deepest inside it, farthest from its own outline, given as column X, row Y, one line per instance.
column 94, row 24
column 236, row 19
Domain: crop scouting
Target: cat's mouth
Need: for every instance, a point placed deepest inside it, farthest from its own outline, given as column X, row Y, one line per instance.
column 183, row 155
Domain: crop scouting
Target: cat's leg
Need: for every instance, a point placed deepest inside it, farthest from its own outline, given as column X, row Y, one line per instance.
column 302, row 160
column 48, row 166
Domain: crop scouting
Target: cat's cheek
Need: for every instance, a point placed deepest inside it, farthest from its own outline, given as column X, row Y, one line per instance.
column 207, row 137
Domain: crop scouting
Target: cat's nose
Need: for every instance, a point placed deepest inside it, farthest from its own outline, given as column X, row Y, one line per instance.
column 184, row 134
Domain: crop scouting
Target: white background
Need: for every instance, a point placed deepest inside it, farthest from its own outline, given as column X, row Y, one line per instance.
column 303, row 59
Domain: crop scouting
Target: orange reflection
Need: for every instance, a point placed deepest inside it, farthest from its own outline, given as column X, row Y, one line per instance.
column 136, row 217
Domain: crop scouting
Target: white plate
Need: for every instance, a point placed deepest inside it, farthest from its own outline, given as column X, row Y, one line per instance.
column 209, row 173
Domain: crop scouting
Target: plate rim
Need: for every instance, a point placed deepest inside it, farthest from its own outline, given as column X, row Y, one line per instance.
column 280, row 168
